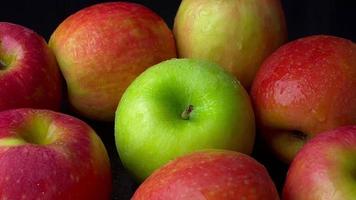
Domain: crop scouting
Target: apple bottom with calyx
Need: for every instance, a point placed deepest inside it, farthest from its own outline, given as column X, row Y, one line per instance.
column 177, row 107
column 325, row 168
column 210, row 175
column 48, row 155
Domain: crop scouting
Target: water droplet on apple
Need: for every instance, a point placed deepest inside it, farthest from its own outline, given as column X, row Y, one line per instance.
column 208, row 26
column 203, row 13
column 239, row 45
column 321, row 118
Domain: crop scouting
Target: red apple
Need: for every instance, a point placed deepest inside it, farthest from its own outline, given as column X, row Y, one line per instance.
column 102, row 48
column 29, row 74
column 325, row 168
column 236, row 34
column 306, row 87
column 48, row 155
column 209, row 175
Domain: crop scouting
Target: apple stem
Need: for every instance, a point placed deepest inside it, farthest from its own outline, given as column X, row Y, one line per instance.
column 186, row 113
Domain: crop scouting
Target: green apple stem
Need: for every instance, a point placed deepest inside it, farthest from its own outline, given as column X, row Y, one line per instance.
column 186, row 113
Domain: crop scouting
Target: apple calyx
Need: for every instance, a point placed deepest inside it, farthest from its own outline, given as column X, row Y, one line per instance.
column 187, row 112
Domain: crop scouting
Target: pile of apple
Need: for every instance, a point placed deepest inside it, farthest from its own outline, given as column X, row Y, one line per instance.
column 185, row 127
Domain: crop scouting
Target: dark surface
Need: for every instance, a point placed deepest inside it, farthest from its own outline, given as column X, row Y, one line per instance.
column 304, row 17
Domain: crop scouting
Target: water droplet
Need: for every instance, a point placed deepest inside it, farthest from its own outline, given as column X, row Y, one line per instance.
column 203, row 13
column 239, row 45
column 321, row 118
column 207, row 27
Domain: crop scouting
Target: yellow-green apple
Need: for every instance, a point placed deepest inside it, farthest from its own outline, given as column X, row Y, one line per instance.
column 102, row 48
column 209, row 175
column 49, row 155
column 237, row 34
column 324, row 168
column 306, row 87
column 179, row 106
column 29, row 74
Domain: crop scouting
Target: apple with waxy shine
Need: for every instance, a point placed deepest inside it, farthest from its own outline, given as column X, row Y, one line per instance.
column 48, row 155
column 325, row 168
column 179, row 106
column 236, row 34
column 102, row 48
column 209, row 175
column 29, row 74
column 306, row 87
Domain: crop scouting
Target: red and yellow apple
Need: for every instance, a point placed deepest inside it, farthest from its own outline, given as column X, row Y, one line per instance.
column 306, row 87
column 209, row 175
column 29, row 74
column 48, row 155
column 102, row 48
column 324, row 168
column 236, row 34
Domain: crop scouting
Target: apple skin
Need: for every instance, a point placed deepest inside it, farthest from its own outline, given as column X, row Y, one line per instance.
column 150, row 129
column 29, row 74
column 102, row 48
column 209, row 175
column 49, row 155
column 306, row 87
column 236, row 34
column 324, row 168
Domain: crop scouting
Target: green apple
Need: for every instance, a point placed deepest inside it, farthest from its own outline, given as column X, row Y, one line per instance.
column 179, row 106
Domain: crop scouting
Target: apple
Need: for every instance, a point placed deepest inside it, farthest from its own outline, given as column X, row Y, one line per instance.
column 102, row 48
column 49, row 155
column 209, row 174
column 29, row 74
column 306, row 87
column 324, row 168
column 236, row 34
column 179, row 106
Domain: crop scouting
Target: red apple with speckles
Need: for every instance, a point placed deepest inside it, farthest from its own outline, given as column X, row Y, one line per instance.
column 102, row 48
column 29, row 74
column 48, row 155
column 306, row 87
column 209, row 175
column 324, row 168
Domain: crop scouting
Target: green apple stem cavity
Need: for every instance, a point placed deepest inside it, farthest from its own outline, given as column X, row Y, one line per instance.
column 187, row 112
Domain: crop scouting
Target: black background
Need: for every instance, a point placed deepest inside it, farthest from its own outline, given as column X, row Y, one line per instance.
column 303, row 17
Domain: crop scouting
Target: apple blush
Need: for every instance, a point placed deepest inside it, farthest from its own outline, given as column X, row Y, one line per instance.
column 29, row 74
column 304, row 88
column 209, row 175
column 49, row 155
